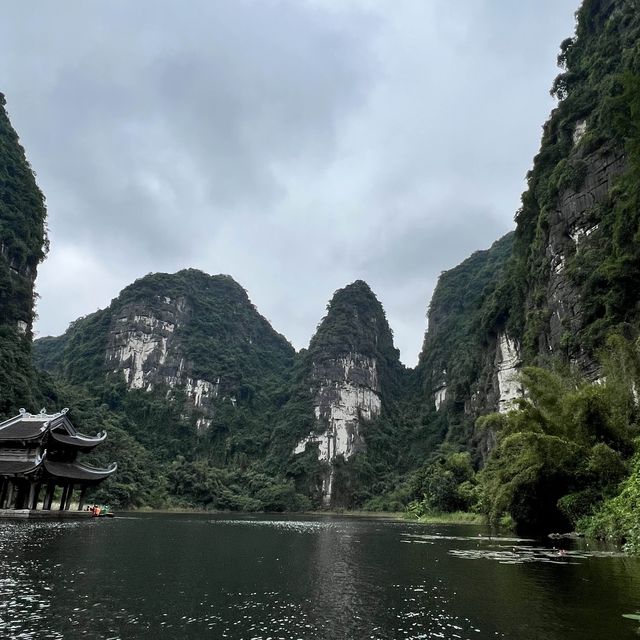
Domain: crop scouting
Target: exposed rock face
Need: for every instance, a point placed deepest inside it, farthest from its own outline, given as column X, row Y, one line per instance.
column 140, row 342
column 440, row 396
column 142, row 345
column 349, row 360
column 493, row 383
column 507, row 380
column 347, row 397
column 572, row 226
column 187, row 331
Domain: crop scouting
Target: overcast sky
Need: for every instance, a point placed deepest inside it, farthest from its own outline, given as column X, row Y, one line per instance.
column 296, row 145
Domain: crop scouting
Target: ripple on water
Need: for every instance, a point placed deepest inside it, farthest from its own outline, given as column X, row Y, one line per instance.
column 38, row 601
column 427, row 614
column 298, row 526
column 24, row 602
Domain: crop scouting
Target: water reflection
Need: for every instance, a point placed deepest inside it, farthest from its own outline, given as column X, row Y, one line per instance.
column 20, row 593
column 171, row 576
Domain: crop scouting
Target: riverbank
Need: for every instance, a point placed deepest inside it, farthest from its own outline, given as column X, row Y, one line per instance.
column 454, row 517
column 457, row 517
column 393, row 515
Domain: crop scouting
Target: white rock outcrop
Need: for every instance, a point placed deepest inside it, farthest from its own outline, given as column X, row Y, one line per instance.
column 348, row 395
column 507, row 372
column 201, row 390
column 579, row 130
column 440, row 397
column 141, row 345
column 144, row 337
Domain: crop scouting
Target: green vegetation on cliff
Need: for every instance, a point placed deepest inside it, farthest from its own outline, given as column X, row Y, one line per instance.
column 598, row 90
column 559, row 458
column 355, row 326
column 23, row 245
column 569, row 283
column 566, row 450
column 212, row 333
column 457, row 340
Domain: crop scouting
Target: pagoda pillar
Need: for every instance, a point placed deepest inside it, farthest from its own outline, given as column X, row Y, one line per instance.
column 18, row 494
column 36, row 496
column 22, row 494
column 3, row 491
column 32, row 495
column 9, row 497
column 63, row 497
column 48, row 496
column 67, row 502
column 83, row 491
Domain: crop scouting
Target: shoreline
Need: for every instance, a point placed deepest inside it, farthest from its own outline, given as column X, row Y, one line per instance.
column 458, row 517
column 454, row 517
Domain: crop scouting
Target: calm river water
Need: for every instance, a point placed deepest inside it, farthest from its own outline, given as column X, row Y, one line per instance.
column 201, row 576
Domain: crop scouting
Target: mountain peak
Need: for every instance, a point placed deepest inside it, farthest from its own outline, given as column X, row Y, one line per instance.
column 355, row 323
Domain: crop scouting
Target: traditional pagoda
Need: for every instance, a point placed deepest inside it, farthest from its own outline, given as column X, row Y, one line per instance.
column 39, row 452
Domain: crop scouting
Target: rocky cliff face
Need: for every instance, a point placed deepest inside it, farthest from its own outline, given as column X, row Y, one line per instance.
column 464, row 368
column 565, row 279
column 573, row 226
column 139, row 343
column 346, row 398
column 351, row 365
column 189, row 331
column 142, row 345
column 471, row 357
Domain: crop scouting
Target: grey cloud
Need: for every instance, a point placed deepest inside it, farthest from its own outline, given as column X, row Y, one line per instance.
column 203, row 103
column 294, row 144
column 429, row 248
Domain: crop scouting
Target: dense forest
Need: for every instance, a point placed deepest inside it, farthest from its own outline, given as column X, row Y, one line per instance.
column 23, row 245
column 206, row 406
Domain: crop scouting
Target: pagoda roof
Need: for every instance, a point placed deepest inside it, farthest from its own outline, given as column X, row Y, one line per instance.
column 78, row 439
column 78, row 471
column 19, row 465
column 26, row 440
column 26, row 426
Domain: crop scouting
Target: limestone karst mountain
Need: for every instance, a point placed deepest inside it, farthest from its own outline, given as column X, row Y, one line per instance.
column 567, row 277
column 23, row 245
column 186, row 333
column 354, row 373
column 193, row 350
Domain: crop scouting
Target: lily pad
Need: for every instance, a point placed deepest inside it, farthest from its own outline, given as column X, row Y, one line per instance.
column 632, row 616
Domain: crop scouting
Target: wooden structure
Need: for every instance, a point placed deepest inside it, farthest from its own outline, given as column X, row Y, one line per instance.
column 38, row 453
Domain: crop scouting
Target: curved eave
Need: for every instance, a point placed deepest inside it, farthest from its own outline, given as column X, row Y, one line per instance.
column 79, row 440
column 78, row 471
column 23, row 432
column 19, row 467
